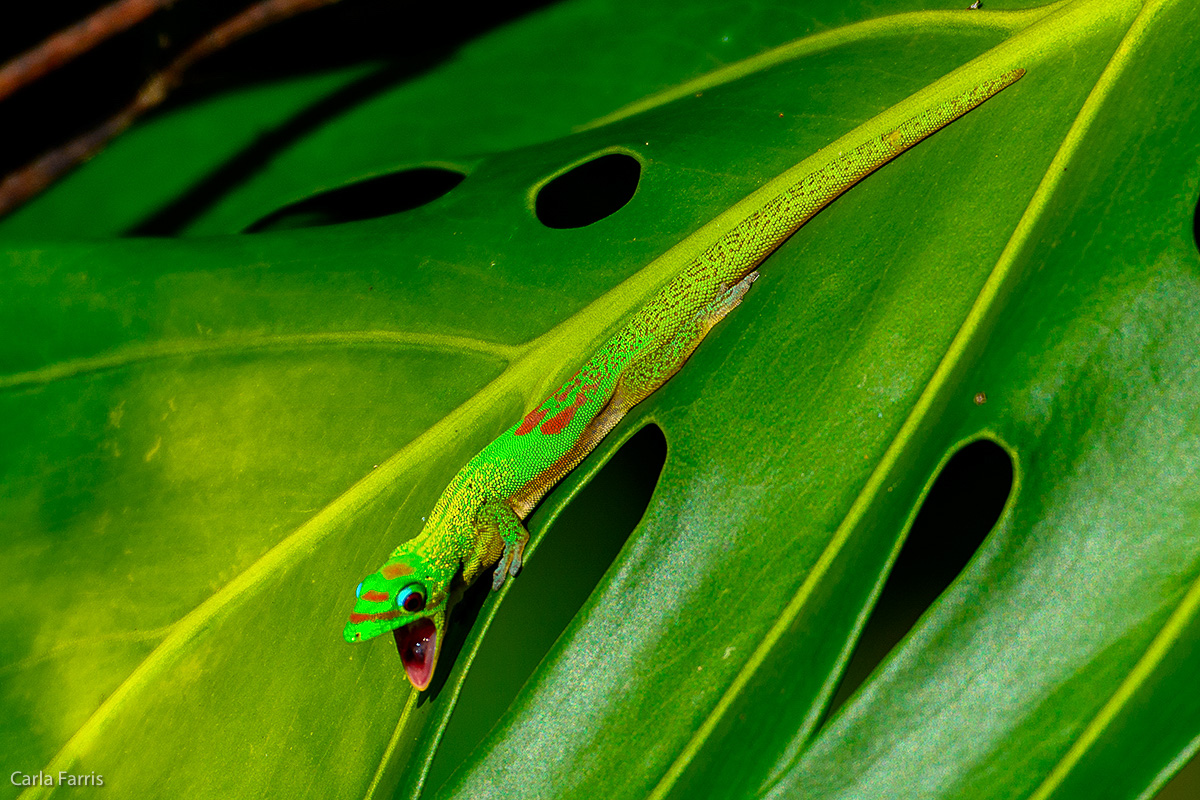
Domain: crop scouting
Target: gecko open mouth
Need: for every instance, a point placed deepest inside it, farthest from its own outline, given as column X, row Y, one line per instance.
column 417, row 644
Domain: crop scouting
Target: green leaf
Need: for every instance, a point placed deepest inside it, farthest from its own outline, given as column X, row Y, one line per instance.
column 208, row 441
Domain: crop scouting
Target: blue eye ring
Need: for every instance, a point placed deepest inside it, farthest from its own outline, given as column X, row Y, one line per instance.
column 411, row 599
column 358, row 591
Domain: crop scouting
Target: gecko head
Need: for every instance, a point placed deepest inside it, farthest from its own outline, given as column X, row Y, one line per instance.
column 407, row 598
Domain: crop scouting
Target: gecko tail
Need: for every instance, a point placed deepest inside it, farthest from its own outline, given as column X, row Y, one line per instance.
column 938, row 116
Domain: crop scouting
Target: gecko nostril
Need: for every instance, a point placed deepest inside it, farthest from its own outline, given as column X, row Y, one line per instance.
column 365, row 199
column 589, row 192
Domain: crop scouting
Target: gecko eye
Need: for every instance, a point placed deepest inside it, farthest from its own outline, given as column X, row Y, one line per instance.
column 411, row 598
column 358, row 591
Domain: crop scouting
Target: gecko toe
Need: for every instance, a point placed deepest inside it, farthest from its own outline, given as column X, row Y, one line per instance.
column 500, row 574
column 510, row 562
column 518, row 558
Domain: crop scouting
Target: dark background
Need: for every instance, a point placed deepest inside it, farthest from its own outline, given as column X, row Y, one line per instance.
column 409, row 37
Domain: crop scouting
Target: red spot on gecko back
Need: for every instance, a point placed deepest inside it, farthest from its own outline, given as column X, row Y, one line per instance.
column 562, row 419
column 391, row 571
column 532, row 419
column 376, row 597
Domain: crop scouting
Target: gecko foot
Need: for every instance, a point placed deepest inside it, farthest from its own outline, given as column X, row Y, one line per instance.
column 510, row 562
column 728, row 298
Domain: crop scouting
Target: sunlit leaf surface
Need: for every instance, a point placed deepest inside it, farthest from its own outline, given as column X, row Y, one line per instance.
column 207, row 440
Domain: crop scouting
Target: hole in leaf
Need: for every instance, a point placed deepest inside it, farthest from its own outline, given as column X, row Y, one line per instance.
column 375, row 197
column 570, row 560
column 214, row 187
column 961, row 508
column 1184, row 785
column 1196, row 227
column 590, row 192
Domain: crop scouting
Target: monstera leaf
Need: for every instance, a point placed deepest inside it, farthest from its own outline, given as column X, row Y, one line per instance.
column 209, row 439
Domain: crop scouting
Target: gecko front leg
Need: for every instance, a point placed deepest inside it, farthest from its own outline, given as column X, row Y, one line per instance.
column 500, row 526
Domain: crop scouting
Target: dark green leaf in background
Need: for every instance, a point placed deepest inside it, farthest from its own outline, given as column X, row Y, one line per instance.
column 208, row 440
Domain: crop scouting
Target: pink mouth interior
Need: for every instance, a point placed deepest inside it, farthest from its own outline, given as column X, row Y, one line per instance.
column 417, row 643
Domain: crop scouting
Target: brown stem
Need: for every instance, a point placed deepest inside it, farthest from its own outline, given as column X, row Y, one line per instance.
column 74, row 41
column 35, row 177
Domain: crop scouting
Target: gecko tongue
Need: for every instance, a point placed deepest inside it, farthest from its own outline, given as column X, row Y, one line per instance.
column 417, row 643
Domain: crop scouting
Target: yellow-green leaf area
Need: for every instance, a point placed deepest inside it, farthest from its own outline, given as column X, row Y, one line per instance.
column 209, row 440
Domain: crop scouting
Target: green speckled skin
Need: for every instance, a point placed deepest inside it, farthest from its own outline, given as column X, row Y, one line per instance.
column 477, row 521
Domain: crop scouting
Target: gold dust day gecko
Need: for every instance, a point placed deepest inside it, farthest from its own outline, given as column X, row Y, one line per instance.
column 477, row 522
